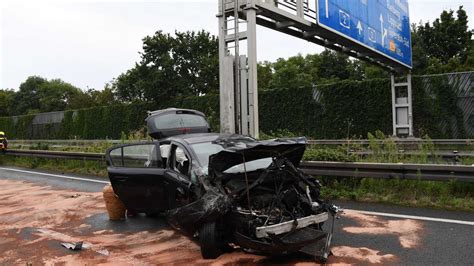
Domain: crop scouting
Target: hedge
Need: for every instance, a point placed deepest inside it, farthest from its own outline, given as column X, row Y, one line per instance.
column 340, row 110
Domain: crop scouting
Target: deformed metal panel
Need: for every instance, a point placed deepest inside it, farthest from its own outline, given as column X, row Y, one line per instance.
column 285, row 227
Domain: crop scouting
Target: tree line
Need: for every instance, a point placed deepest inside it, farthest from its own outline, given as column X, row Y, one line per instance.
column 187, row 64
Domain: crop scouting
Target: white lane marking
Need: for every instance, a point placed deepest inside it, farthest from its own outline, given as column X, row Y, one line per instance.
column 422, row 218
column 60, row 176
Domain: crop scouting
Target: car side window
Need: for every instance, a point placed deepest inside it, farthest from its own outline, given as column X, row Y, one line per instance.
column 116, row 157
column 136, row 156
column 180, row 160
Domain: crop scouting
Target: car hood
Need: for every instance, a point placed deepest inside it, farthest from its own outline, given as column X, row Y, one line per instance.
column 292, row 149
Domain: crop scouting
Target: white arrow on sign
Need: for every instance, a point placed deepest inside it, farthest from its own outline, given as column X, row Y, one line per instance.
column 327, row 8
column 359, row 27
column 384, row 31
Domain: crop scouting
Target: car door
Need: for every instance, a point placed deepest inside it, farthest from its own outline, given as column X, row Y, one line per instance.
column 178, row 179
column 137, row 173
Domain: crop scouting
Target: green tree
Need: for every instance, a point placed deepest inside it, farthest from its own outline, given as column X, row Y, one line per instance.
column 265, row 73
column 6, row 97
column 180, row 65
column 448, row 37
column 419, row 55
column 55, row 95
column 27, row 99
column 291, row 73
column 337, row 66
column 37, row 94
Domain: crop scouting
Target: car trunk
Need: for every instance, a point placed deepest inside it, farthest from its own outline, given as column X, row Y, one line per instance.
column 170, row 122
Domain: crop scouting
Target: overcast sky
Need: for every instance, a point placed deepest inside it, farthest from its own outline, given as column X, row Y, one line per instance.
column 88, row 43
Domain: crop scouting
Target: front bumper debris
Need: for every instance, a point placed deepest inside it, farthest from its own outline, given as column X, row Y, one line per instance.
column 276, row 229
column 306, row 240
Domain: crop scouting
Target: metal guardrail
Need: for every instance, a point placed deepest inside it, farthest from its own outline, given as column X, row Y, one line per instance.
column 70, row 141
column 407, row 141
column 440, row 154
column 338, row 169
column 390, row 170
column 57, row 155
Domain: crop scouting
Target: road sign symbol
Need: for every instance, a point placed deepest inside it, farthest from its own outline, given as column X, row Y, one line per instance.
column 344, row 19
column 383, row 30
column 371, row 35
column 370, row 23
column 393, row 47
column 359, row 27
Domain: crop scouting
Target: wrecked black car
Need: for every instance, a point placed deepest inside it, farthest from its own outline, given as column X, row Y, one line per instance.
column 224, row 189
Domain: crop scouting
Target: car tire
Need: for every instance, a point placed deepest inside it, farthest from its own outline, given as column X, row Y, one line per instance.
column 209, row 240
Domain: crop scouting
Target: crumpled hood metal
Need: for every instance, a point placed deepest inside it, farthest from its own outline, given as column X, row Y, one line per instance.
column 292, row 148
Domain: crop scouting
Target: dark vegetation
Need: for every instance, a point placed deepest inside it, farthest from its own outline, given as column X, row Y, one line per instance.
column 347, row 109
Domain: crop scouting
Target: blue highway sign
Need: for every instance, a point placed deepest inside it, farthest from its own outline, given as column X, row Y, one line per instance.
column 380, row 25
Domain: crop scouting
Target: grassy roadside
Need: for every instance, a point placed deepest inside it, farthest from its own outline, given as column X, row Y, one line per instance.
column 58, row 165
column 451, row 195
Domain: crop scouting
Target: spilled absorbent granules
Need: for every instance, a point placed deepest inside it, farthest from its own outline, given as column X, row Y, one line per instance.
column 36, row 219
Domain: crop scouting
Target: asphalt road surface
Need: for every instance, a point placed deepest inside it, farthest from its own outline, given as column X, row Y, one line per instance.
column 41, row 210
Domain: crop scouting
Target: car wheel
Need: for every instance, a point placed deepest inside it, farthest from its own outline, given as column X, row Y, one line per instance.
column 209, row 240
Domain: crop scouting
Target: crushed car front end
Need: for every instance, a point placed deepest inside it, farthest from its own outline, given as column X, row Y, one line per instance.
column 261, row 200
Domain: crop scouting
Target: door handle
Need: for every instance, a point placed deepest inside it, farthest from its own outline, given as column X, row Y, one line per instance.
column 120, row 178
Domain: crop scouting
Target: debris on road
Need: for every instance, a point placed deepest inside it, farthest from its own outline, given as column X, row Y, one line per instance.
column 73, row 246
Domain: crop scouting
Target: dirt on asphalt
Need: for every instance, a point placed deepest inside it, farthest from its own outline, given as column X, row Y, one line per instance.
column 36, row 219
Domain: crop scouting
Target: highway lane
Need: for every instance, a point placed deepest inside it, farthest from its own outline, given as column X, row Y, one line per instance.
column 33, row 222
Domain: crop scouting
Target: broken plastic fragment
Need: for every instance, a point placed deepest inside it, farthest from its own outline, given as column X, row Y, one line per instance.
column 104, row 252
column 73, row 246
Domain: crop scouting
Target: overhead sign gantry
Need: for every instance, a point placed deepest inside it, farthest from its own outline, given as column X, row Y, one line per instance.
column 376, row 31
column 382, row 26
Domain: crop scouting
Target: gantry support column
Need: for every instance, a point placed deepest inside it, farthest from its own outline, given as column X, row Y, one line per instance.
column 253, row 125
column 402, row 112
column 238, row 85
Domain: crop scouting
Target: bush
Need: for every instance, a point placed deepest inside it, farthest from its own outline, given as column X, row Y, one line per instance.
column 332, row 155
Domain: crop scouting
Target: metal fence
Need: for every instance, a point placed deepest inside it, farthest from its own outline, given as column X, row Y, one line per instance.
column 462, row 86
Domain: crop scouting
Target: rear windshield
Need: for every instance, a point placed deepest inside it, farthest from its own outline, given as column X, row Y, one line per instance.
column 179, row 121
